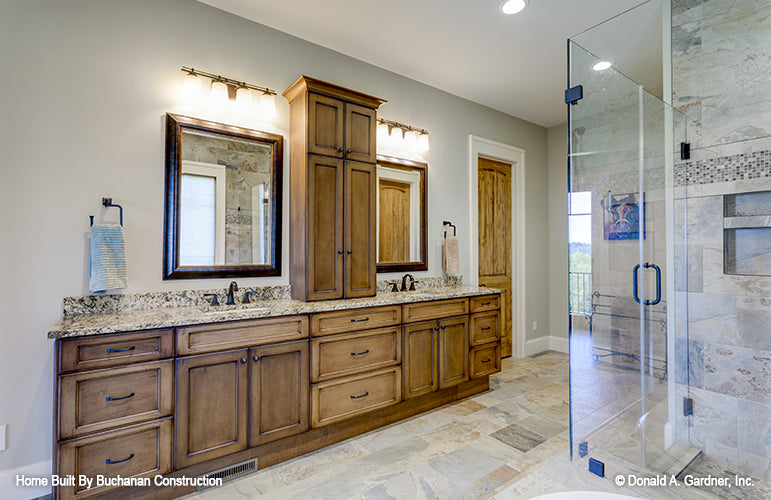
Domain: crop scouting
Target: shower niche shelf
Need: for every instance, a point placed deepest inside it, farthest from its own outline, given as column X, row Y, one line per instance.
column 747, row 233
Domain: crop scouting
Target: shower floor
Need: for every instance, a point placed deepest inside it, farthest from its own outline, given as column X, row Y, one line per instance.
column 703, row 466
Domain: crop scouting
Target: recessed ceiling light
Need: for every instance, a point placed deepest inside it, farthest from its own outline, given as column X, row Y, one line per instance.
column 602, row 65
column 513, row 6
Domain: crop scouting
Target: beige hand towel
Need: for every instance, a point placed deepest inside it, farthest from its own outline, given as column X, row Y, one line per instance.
column 450, row 255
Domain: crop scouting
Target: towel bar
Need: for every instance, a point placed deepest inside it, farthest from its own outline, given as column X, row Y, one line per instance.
column 454, row 229
column 107, row 202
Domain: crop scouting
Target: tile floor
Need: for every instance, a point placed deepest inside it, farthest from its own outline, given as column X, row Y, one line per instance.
column 510, row 442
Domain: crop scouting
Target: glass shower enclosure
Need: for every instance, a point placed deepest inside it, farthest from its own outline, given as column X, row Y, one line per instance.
column 628, row 385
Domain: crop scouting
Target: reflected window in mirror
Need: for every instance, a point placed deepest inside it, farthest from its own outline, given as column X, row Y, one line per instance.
column 401, row 215
column 223, row 200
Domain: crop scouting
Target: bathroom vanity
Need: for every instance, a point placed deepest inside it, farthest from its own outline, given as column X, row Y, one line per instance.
column 184, row 391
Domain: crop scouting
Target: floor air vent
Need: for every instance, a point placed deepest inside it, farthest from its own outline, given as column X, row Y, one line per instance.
column 230, row 473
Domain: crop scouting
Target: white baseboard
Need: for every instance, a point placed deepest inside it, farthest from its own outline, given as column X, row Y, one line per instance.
column 9, row 490
column 546, row 343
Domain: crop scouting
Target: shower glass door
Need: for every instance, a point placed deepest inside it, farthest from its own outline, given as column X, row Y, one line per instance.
column 623, row 214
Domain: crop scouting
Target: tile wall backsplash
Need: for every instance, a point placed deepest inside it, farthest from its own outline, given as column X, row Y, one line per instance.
column 110, row 303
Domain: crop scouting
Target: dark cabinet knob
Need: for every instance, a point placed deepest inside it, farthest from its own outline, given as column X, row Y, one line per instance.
column 350, row 252
column 256, row 358
column 339, row 150
column 243, row 360
column 349, row 151
column 436, row 328
column 340, row 251
column 443, row 327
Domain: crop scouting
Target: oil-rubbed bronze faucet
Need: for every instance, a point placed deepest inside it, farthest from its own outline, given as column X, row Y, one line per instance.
column 404, row 282
column 232, row 288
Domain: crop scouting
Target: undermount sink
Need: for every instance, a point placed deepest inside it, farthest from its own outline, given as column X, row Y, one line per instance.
column 214, row 310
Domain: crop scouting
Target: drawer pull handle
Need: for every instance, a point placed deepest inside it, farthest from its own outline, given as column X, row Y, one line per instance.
column 121, row 350
column 108, row 398
column 359, row 353
column 485, row 328
column 110, row 462
column 357, row 397
column 486, row 303
column 486, row 360
column 256, row 358
column 359, row 320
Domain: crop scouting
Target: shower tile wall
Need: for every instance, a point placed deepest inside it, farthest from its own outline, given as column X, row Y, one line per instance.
column 721, row 75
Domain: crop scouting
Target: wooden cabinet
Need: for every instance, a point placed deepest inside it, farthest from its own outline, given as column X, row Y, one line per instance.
column 279, row 391
column 421, row 351
column 453, row 352
column 343, row 398
column 221, row 396
column 333, row 191
column 211, row 411
column 356, row 352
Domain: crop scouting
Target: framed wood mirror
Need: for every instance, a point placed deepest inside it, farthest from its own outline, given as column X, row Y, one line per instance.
column 223, row 200
column 402, row 201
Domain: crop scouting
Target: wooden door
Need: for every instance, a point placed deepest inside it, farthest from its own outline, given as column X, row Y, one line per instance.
column 279, row 391
column 453, row 351
column 325, row 228
column 212, row 409
column 494, row 195
column 360, row 133
column 360, row 192
column 394, row 221
column 420, row 371
column 325, row 125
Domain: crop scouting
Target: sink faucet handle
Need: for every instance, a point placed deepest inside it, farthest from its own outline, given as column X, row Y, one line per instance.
column 412, row 285
column 394, row 287
column 247, row 294
column 214, row 300
column 233, row 287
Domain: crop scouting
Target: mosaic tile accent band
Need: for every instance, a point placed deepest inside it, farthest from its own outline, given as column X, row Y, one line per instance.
column 112, row 303
column 737, row 167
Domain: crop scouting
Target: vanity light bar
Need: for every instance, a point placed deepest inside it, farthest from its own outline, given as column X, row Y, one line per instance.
column 392, row 124
column 228, row 81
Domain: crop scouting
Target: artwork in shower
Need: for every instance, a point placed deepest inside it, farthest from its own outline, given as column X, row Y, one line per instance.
column 621, row 217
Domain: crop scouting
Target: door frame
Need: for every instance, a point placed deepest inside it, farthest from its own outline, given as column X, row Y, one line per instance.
column 486, row 148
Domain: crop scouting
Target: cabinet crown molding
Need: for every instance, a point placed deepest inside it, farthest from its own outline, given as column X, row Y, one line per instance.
column 306, row 83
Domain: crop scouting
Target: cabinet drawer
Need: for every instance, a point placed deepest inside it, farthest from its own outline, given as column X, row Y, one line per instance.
column 421, row 311
column 142, row 450
column 485, row 303
column 485, row 328
column 102, row 351
column 485, row 359
column 353, row 353
column 329, row 323
column 103, row 399
column 344, row 398
column 223, row 336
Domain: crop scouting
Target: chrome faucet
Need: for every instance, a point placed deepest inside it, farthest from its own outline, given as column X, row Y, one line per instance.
column 404, row 282
column 232, row 288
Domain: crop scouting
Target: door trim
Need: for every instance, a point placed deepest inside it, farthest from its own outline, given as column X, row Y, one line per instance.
column 479, row 146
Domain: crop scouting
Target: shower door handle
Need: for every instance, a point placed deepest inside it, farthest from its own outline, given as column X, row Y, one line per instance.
column 656, row 268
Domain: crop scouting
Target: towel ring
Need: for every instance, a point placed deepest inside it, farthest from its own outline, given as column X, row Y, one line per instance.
column 107, row 202
column 454, row 229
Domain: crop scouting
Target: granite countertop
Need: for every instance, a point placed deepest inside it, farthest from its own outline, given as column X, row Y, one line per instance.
column 165, row 317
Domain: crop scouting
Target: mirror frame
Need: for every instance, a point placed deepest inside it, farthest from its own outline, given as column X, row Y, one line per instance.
column 175, row 125
column 422, row 264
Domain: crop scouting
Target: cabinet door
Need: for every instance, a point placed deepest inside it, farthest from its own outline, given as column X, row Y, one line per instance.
column 360, row 187
column 419, row 359
column 360, row 133
column 325, row 125
column 279, row 391
column 212, row 406
column 453, row 351
column 325, row 228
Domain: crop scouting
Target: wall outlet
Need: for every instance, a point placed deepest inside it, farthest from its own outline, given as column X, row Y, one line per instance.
column 535, row 325
column 3, row 437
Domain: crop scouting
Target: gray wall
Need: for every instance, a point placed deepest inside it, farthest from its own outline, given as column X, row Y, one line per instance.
column 558, row 231
column 85, row 87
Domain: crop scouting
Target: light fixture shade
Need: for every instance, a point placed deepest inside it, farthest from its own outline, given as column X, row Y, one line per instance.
column 396, row 137
column 191, row 88
column 244, row 98
column 382, row 134
column 268, row 106
column 219, row 92
column 602, row 65
column 423, row 145
column 513, row 6
column 410, row 140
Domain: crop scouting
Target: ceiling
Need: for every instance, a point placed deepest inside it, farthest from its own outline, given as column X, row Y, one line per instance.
column 515, row 64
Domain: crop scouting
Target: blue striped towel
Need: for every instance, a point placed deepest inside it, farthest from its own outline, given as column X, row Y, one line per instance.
column 107, row 267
